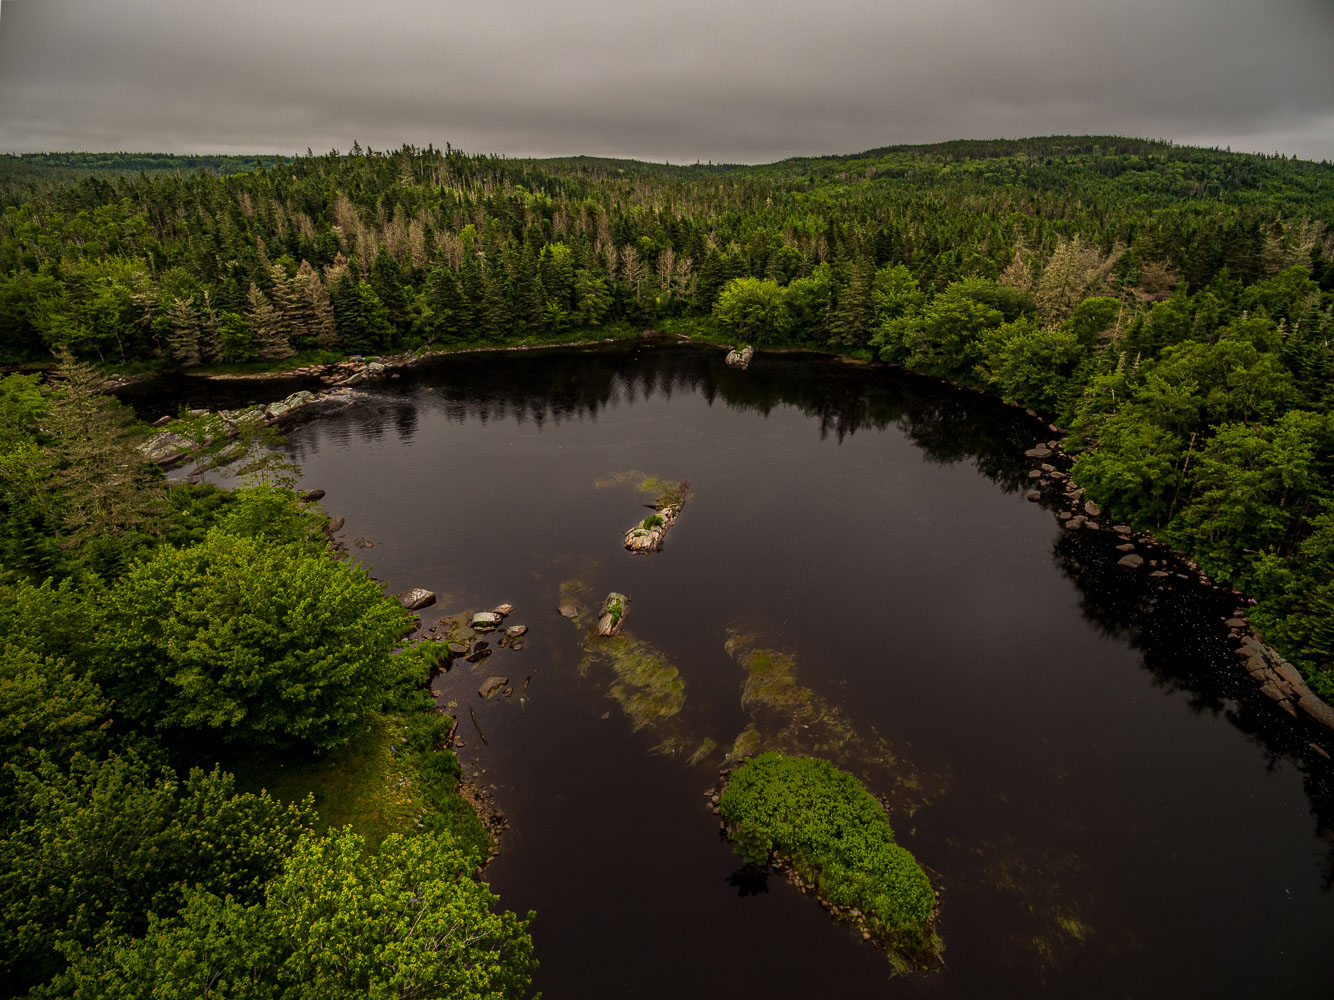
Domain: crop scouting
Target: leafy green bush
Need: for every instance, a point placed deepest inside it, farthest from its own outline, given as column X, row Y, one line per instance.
column 828, row 827
column 255, row 641
column 338, row 922
column 652, row 521
column 95, row 848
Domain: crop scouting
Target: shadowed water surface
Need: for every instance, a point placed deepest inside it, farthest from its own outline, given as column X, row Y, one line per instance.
column 1107, row 806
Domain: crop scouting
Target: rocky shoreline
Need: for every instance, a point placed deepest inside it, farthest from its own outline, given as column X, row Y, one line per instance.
column 1278, row 679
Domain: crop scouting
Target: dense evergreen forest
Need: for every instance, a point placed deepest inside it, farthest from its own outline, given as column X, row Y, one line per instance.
column 1171, row 308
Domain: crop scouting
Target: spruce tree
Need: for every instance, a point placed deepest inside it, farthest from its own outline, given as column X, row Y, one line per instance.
column 182, row 332
column 97, row 484
column 263, row 318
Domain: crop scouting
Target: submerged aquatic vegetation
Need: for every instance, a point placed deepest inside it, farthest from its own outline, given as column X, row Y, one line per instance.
column 648, row 687
column 787, row 716
column 807, row 813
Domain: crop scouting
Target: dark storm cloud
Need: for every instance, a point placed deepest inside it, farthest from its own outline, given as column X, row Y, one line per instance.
column 746, row 81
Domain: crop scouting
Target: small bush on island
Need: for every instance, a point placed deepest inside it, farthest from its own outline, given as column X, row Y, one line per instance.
column 820, row 820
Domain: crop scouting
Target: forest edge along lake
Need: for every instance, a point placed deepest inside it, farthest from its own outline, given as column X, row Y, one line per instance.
column 1105, row 800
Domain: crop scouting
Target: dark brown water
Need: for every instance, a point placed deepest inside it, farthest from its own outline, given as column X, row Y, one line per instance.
column 1107, row 805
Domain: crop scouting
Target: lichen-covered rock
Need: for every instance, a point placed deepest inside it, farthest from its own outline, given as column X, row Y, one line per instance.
column 514, row 631
column 418, row 598
column 165, row 448
column 293, row 402
column 1130, row 561
column 648, row 534
column 611, row 616
column 740, row 358
column 485, row 621
column 491, row 685
column 504, row 610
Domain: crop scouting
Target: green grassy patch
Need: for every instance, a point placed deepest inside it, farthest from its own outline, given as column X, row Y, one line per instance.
column 835, row 835
column 393, row 776
column 704, row 328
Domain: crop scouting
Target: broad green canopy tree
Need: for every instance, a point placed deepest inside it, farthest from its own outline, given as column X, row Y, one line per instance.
column 258, row 642
column 94, row 847
column 753, row 307
column 337, row 924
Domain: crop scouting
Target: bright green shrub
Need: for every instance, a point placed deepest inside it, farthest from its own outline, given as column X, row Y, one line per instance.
column 830, row 829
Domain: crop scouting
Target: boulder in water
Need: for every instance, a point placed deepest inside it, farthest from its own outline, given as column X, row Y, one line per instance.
column 417, row 598
column 611, row 616
column 485, row 621
column 740, row 357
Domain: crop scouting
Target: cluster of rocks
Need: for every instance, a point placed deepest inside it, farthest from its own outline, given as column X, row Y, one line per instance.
column 1279, row 680
column 1079, row 514
column 483, row 804
column 740, row 357
column 169, row 447
column 648, row 535
column 458, row 646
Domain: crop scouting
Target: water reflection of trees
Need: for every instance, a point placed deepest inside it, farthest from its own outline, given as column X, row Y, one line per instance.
column 1176, row 625
column 164, row 395
column 949, row 425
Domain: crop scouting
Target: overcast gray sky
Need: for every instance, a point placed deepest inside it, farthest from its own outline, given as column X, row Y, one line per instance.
column 679, row 80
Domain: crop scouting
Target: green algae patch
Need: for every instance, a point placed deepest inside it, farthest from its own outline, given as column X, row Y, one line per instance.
column 666, row 492
column 791, row 718
column 806, row 815
column 648, row 687
column 1046, row 895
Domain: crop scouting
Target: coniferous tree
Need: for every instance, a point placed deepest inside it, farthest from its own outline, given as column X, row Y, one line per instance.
column 183, row 332
column 270, row 337
column 98, row 486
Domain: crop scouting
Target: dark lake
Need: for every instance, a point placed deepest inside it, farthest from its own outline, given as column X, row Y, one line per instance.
column 1107, row 805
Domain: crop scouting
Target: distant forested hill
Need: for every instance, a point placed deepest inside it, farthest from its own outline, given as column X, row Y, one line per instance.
column 23, row 175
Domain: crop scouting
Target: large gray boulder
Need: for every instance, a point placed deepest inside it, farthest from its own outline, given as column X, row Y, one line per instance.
column 293, row 402
column 485, row 621
column 165, row 448
column 417, row 598
column 648, row 534
column 740, row 357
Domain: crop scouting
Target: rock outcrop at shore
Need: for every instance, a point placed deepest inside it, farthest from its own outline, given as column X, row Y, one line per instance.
column 418, row 598
column 207, row 430
column 740, row 357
